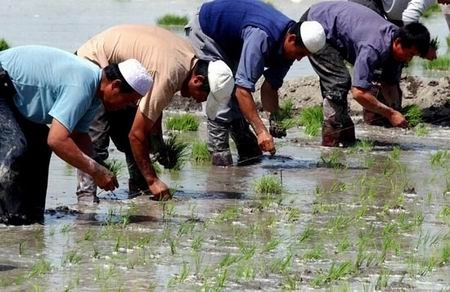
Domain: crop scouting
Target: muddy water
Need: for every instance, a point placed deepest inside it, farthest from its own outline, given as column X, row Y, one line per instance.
column 218, row 233
column 377, row 219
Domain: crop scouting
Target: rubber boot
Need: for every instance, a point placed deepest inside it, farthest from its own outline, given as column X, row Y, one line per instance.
column 222, row 158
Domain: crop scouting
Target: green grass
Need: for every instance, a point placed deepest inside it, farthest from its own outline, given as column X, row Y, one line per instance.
column 4, row 45
column 183, row 122
column 434, row 43
column 311, row 118
column 172, row 20
column 200, row 153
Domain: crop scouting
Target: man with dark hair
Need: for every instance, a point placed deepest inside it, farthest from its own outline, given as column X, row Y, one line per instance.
column 254, row 39
column 43, row 86
column 137, row 131
column 371, row 44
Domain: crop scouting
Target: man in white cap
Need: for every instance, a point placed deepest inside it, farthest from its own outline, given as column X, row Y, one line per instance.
column 42, row 86
column 136, row 131
column 358, row 35
column 254, row 39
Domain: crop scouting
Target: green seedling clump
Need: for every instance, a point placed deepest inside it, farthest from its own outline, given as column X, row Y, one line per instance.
column 172, row 19
column 434, row 43
column 413, row 114
column 183, row 122
column 200, row 152
column 431, row 10
column 440, row 63
column 176, row 151
column 311, row 118
column 268, row 184
column 3, row 45
column 115, row 166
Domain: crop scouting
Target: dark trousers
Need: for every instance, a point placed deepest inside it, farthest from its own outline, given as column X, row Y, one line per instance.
column 24, row 162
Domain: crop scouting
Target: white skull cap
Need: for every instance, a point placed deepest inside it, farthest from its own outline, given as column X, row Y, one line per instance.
column 136, row 76
column 221, row 84
column 313, row 35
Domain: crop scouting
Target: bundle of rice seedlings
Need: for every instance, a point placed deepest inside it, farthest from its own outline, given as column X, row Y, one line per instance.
column 200, row 152
column 3, row 45
column 174, row 153
column 311, row 118
column 413, row 114
column 115, row 166
column 183, row 122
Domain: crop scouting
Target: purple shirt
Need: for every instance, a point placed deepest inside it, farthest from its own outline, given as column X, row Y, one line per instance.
column 362, row 37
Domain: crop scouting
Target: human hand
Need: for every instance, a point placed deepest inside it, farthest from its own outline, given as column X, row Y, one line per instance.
column 104, row 178
column 398, row 120
column 265, row 142
column 160, row 191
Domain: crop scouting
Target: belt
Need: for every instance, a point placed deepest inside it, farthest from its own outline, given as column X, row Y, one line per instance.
column 6, row 86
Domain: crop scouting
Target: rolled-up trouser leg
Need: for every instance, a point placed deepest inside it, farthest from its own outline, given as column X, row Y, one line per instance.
column 99, row 133
column 218, row 143
column 24, row 161
column 335, row 82
column 246, row 142
column 338, row 128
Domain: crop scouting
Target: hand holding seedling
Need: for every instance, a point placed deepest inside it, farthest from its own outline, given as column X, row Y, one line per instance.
column 160, row 191
column 398, row 120
column 265, row 142
column 104, row 178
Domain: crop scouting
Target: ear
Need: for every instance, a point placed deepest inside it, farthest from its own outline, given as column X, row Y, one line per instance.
column 116, row 83
column 198, row 79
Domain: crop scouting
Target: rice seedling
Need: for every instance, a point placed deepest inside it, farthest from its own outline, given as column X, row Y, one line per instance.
column 172, row 20
column 271, row 245
column 306, row 234
column 440, row 63
column 182, row 122
column 413, row 114
column 383, row 280
column 292, row 214
column 200, row 152
column 268, row 184
column 72, row 257
column 364, row 145
column 4, row 45
column 311, row 118
column 197, row 242
column 245, row 271
column 175, row 153
column 314, row 254
column 41, row 267
column 336, row 272
column 115, row 166
column 431, row 10
column 434, row 43
column 439, row 158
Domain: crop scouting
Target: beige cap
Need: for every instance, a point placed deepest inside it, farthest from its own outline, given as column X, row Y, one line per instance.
column 313, row 35
column 136, row 76
column 221, row 84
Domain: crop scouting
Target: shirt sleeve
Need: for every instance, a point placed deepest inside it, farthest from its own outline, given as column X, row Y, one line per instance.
column 415, row 9
column 251, row 63
column 75, row 110
column 367, row 61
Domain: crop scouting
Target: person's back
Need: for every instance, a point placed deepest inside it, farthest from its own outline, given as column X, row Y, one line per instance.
column 50, row 81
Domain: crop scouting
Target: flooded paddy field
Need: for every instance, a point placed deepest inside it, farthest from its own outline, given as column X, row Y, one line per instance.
column 371, row 217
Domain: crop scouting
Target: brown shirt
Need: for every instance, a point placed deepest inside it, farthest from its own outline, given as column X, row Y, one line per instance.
column 167, row 57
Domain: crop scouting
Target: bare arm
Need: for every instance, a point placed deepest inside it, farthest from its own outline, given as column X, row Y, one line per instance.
column 368, row 100
column 75, row 149
column 248, row 108
column 141, row 128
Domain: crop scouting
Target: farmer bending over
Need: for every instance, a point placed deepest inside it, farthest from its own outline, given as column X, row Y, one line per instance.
column 137, row 131
column 43, row 86
column 371, row 44
column 254, row 39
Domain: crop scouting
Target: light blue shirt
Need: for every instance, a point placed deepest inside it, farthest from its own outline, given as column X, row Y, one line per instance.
column 53, row 84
